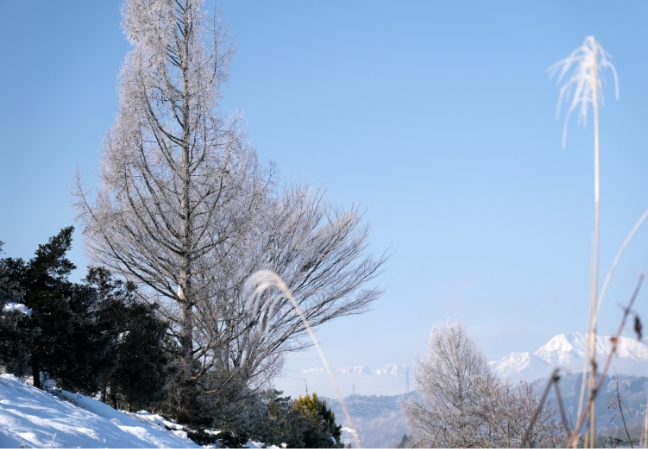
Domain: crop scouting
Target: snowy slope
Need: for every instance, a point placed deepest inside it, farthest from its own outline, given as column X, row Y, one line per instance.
column 567, row 351
column 30, row 417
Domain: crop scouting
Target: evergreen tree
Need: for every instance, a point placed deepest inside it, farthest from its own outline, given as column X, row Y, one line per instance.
column 323, row 432
column 71, row 341
column 85, row 349
column 15, row 340
column 138, row 377
column 302, row 422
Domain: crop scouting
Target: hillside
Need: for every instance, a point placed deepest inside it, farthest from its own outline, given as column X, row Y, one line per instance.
column 633, row 391
column 378, row 420
column 30, row 417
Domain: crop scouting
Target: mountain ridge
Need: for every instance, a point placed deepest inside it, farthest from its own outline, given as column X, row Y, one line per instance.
column 567, row 352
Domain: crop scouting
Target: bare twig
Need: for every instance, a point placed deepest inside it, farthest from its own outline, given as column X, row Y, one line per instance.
column 620, row 402
column 560, row 407
column 554, row 378
column 615, row 342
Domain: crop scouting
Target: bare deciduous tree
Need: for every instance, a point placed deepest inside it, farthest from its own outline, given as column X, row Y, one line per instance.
column 185, row 210
column 465, row 405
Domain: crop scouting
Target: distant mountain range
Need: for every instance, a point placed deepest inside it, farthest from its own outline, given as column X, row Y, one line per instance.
column 567, row 351
column 387, row 370
column 380, row 422
column 390, row 379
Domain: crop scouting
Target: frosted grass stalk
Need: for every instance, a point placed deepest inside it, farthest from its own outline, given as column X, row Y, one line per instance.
column 585, row 81
column 263, row 280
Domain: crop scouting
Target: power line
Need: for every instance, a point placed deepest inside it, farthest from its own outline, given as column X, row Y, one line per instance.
column 298, row 378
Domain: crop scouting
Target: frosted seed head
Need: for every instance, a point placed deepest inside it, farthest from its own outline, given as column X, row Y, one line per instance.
column 587, row 63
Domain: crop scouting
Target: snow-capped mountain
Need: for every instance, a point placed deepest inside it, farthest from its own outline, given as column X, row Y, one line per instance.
column 353, row 369
column 387, row 370
column 390, row 379
column 567, row 351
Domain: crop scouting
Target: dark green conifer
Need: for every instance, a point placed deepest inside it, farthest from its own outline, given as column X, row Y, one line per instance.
column 71, row 342
column 323, row 432
column 15, row 340
column 138, row 377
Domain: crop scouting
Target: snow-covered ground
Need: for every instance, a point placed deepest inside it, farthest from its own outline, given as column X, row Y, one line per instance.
column 30, row 417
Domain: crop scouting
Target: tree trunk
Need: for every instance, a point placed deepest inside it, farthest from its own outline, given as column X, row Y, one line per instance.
column 113, row 397
column 36, row 373
column 186, row 337
column 186, row 293
column 103, row 391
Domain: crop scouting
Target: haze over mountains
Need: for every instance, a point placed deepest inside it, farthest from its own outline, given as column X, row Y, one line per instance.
column 389, row 379
column 567, row 351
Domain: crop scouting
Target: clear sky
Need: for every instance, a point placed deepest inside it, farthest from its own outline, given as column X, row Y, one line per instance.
column 437, row 117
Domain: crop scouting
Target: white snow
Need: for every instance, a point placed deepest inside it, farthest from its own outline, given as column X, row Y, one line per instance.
column 15, row 307
column 352, row 369
column 389, row 369
column 567, row 351
column 30, row 417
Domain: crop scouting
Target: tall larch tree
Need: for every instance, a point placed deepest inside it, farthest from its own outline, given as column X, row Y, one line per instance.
column 172, row 167
column 186, row 212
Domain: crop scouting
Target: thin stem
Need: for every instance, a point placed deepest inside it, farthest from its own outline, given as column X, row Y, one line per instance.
column 600, row 301
column 620, row 402
column 616, row 261
column 595, row 255
column 270, row 278
column 645, row 426
column 563, row 417
column 615, row 342
column 553, row 380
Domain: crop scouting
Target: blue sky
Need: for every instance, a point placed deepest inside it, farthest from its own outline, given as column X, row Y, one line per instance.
column 438, row 118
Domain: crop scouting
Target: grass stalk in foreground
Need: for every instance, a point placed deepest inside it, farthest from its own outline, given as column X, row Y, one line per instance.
column 265, row 279
column 587, row 60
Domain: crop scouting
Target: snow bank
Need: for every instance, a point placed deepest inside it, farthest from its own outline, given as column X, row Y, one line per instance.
column 15, row 307
column 30, row 417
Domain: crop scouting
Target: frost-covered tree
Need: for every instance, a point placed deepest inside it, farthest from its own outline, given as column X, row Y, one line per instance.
column 173, row 168
column 318, row 250
column 465, row 405
column 185, row 211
